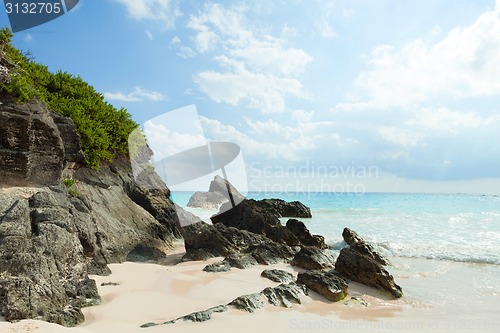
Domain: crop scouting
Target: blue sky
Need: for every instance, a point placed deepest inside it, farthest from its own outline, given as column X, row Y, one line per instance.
column 410, row 89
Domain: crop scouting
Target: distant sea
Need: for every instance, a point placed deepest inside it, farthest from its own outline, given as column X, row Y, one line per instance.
column 455, row 227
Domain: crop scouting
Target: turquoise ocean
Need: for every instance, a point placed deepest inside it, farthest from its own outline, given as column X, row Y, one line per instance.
column 444, row 251
column 455, row 227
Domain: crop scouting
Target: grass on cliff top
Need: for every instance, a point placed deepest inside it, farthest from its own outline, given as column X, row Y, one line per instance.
column 103, row 129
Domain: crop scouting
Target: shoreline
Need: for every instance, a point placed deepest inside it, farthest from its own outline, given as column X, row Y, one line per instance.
column 158, row 292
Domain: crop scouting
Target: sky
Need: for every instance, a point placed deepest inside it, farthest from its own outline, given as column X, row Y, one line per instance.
column 348, row 96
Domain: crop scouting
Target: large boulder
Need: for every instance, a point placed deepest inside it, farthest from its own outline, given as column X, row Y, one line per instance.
column 250, row 216
column 277, row 275
column 285, row 295
column 241, row 260
column 203, row 241
column 327, row 283
column 282, row 208
column 359, row 245
column 361, row 263
column 366, row 270
column 299, row 229
column 310, row 257
column 249, row 303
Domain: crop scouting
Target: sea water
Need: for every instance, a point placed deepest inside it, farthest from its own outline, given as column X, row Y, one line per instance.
column 444, row 248
column 457, row 227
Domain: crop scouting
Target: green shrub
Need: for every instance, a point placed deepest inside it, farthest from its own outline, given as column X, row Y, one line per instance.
column 73, row 192
column 69, row 182
column 103, row 129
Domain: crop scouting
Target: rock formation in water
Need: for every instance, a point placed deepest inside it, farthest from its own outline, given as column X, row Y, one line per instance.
column 361, row 263
column 220, row 191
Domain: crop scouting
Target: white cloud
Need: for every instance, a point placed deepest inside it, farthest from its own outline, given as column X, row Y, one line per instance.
column 137, row 95
column 463, row 64
column 269, row 55
column 302, row 115
column 278, row 141
column 402, row 137
column 163, row 12
column 326, row 30
column 443, row 119
column 259, row 70
column 182, row 50
column 265, row 92
column 266, row 139
column 165, row 142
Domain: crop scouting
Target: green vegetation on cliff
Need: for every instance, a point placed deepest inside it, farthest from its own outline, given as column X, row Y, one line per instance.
column 103, row 129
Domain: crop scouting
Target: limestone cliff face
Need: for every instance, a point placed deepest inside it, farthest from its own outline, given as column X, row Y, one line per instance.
column 51, row 236
column 32, row 146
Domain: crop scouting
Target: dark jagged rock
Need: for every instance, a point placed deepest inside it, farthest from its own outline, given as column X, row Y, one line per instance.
column 359, row 245
column 216, row 267
column 248, row 303
column 326, row 283
column 366, row 270
column 52, row 240
column 142, row 253
column 247, row 216
column 198, row 316
column 282, row 208
column 270, row 253
column 207, row 200
column 205, row 315
column 277, row 275
column 313, row 258
column 285, row 295
column 40, row 256
column 300, row 231
column 241, row 260
column 250, row 216
column 203, row 241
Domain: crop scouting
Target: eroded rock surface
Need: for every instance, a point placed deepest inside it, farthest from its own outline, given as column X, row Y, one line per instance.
column 327, row 283
column 277, row 275
column 284, row 295
column 366, row 270
column 310, row 257
column 359, row 245
column 51, row 236
column 282, row 208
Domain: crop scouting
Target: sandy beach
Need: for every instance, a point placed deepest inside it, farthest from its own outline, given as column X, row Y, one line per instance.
column 149, row 292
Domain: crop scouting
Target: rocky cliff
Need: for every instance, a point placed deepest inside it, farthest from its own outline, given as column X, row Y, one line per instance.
column 60, row 221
